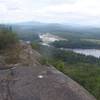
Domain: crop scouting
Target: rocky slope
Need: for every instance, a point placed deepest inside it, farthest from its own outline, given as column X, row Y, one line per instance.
column 29, row 80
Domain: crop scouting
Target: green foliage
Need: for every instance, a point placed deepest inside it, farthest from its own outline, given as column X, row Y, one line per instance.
column 59, row 65
column 44, row 61
column 7, row 38
column 87, row 75
column 75, row 44
column 35, row 45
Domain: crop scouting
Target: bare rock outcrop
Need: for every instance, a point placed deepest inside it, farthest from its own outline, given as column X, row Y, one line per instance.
column 29, row 80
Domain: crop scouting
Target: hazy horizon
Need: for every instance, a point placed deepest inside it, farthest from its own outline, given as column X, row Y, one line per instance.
column 79, row 12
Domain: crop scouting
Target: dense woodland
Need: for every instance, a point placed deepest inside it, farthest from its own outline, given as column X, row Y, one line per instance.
column 75, row 44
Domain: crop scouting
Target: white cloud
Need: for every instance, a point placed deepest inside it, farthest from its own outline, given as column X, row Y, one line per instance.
column 50, row 10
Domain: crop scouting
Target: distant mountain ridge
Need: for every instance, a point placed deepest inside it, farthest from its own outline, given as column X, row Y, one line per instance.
column 73, row 31
column 54, row 27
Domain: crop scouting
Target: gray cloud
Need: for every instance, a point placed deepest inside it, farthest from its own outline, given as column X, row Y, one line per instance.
column 82, row 11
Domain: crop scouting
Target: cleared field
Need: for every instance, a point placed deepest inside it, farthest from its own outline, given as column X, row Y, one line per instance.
column 91, row 40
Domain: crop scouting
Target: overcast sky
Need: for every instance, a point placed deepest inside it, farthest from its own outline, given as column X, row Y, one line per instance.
column 67, row 11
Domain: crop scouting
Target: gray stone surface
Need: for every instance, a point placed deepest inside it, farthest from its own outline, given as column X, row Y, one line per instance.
column 23, row 83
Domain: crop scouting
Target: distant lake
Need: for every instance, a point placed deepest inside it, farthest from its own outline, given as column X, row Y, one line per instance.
column 92, row 52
